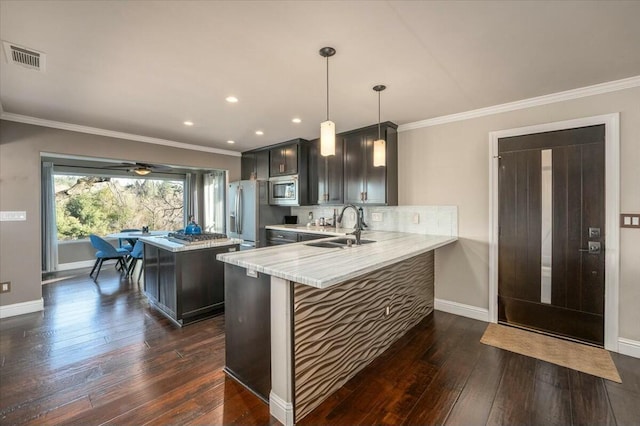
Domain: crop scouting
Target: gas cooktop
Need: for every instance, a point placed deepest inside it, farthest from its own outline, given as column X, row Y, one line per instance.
column 205, row 237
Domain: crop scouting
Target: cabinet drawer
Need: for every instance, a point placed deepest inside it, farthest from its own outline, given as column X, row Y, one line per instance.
column 309, row 237
column 282, row 237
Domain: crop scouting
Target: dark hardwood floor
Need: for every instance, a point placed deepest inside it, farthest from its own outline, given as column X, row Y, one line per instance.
column 99, row 355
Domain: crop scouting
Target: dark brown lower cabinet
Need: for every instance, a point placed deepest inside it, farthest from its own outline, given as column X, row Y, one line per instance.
column 186, row 286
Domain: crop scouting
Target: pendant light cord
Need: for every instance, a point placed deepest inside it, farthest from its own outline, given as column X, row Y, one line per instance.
column 378, row 115
column 327, row 88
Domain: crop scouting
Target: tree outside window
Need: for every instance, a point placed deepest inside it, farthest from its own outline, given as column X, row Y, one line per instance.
column 102, row 205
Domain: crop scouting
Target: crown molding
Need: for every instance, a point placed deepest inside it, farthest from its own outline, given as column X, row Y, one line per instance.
column 112, row 134
column 597, row 89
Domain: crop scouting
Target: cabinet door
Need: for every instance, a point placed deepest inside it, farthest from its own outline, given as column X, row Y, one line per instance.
column 167, row 282
column 151, row 271
column 284, row 160
column 290, row 153
column 247, row 165
column 354, row 168
column 202, row 281
column 375, row 178
column 262, row 165
column 276, row 162
column 330, row 176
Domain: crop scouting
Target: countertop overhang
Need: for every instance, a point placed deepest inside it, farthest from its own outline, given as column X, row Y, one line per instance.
column 163, row 243
column 323, row 267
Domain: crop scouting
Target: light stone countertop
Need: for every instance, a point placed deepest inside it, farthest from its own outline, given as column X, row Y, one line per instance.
column 323, row 267
column 174, row 247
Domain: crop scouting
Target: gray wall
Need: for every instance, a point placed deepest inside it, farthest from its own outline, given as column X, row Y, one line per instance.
column 20, row 148
column 448, row 164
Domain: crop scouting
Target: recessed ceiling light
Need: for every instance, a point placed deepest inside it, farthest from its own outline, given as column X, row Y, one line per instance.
column 231, row 99
column 188, row 123
column 259, row 132
column 296, row 120
column 231, row 142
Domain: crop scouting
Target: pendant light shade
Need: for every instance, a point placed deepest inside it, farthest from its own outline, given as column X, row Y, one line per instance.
column 379, row 153
column 328, row 127
column 379, row 146
column 327, row 138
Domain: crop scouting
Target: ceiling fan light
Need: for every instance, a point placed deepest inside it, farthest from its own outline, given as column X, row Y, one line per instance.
column 142, row 171
column 379, row 153
column 327, row 138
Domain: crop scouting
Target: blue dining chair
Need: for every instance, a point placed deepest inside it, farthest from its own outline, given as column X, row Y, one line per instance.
column 106, row 252
column 127, row 243
column 136, row 254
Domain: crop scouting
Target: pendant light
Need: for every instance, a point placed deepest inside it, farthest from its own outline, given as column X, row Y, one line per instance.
column 379, row 149
column 327, row 128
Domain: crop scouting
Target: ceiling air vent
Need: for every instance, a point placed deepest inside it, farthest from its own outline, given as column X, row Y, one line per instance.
column 23, row 56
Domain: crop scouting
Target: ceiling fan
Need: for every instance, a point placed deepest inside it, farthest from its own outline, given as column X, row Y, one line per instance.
column 141, row 169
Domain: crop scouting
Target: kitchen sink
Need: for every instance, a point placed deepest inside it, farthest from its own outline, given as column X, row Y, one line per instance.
column 339, row 243
column 344, row 241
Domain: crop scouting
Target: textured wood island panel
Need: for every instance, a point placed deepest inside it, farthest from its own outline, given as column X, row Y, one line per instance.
column 341, row 329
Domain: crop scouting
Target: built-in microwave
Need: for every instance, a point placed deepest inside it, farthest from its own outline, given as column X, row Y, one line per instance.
column 284, row 191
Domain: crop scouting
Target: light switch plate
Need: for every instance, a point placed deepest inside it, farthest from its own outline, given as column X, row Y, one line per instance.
column 630, row 220
column 415, row 218
column 13, row 216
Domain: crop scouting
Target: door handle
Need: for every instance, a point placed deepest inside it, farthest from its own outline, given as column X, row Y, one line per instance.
column 592, row 248
column 239, row 212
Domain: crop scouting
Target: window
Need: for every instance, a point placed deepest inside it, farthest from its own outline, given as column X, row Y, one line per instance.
column 91, row 204
column 82, row 196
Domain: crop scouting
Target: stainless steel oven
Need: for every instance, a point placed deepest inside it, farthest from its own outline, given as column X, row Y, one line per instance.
column 284, row 191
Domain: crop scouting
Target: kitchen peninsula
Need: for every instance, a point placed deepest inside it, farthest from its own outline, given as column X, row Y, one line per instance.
column 323, row 311
column 185, row 281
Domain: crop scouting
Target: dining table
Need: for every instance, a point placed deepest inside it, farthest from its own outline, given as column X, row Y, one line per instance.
column 132, row 236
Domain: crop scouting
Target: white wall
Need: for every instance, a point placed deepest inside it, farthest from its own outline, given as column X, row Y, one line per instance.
column 448, row 164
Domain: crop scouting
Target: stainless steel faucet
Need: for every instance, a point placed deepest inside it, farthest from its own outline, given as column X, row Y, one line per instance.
column 358, row 229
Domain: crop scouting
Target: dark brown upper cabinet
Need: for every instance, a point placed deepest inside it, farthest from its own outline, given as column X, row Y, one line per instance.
column 255, row 165
column 284, row 159
column 328, row 179
column 364, row 183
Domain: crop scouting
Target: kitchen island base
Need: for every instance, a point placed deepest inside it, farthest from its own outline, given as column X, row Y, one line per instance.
column 321, row 338
column 185, row 286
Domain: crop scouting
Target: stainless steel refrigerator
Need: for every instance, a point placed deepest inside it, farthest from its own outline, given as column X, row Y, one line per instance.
column 249, row 212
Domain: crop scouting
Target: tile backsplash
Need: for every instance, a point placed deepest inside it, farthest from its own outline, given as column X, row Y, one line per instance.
column 433, row 220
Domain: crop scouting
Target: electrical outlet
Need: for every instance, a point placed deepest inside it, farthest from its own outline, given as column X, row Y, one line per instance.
column 376, row 217
column 5, row 287
column 415, row 218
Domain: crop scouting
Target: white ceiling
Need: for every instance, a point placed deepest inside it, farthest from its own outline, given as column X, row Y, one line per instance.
column 143, row 67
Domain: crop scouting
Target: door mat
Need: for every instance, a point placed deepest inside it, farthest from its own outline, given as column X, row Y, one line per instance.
column 576, row 356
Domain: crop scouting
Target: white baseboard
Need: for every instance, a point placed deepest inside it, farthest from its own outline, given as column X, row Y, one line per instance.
column 629, row 347
column 473, row 312
column 77, row 265
column 21, row 308
column 281, row 409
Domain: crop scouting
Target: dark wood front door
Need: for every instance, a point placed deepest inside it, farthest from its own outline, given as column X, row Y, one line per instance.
column 551, row 237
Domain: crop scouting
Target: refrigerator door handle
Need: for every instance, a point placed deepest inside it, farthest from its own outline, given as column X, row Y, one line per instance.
column 235, row 213
column 239, row 212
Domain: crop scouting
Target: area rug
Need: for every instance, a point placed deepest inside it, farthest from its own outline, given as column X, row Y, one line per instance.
column 584, row 358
